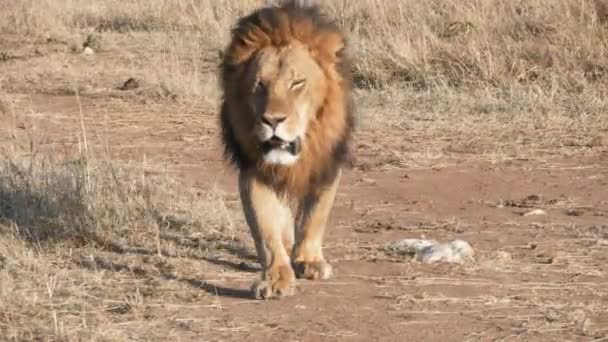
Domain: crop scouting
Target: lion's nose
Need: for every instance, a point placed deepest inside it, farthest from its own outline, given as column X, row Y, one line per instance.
column 273, row 121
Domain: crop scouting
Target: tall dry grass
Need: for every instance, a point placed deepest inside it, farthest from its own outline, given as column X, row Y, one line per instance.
column 78, row 238
column 521, row 61
column 430, row 43
column 51, row 199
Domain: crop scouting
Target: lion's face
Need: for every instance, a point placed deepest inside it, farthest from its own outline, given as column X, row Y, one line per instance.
column 285, row 91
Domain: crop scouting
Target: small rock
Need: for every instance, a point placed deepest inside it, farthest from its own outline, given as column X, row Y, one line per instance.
column 368, row 181
column 409, row 246
column 88, row 51
column 456, row 251
column 600, row 141
column 578, row 315
column 430, row 251
column 544, row 259
column 130, row 84
column 462, row 248
column 552, row 316
column 532, row 198
column 535, row 212
column 587, row 326
column 602, row 242
column 574, row 212
column 503, row 256
column 438, row 252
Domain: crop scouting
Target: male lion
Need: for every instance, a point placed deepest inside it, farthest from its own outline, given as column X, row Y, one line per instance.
column 286, row 120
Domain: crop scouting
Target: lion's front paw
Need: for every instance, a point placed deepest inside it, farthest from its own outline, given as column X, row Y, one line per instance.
column 315, row 270
column 276, row 283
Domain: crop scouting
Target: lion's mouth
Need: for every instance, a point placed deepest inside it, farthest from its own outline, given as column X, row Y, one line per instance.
column 276, row 143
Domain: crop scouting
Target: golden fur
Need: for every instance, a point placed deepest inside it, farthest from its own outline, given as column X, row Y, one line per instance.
column 287, row 64
column 330, row 129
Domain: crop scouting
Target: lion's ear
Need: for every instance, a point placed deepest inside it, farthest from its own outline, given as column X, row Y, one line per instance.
column 330, row 45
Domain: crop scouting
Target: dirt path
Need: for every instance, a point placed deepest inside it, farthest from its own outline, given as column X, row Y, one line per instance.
column 538, row 278
column 533, row 279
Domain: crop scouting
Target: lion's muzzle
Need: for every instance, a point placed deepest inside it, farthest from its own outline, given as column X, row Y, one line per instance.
column 277, row 151
column 275, row 143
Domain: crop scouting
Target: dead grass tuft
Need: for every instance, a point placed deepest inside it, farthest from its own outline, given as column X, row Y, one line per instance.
column 51, row 200
column 66, row 223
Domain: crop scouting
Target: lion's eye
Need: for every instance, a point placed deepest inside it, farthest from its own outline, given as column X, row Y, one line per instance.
column 297, row 84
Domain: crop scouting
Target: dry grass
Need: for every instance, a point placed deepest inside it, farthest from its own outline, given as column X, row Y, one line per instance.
column 80, row 240
column 485, row 76
column 80, row 200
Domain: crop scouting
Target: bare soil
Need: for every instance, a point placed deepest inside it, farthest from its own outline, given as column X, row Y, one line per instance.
column 539, row 278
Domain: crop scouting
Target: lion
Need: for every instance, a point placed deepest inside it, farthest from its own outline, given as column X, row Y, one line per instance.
column 286, row 120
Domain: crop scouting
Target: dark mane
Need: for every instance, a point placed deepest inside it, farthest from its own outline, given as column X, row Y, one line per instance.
column 278, row 26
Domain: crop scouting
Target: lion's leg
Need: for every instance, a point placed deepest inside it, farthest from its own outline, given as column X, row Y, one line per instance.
column 288, row 235
column 268, row 218
column 312, row 219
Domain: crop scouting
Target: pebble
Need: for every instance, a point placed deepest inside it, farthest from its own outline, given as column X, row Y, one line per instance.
column 536, row 212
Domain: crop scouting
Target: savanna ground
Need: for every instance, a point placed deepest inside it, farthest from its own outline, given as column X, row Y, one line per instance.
column 120, row 221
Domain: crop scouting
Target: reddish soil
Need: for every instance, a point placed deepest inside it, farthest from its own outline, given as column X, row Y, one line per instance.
column 540, row 278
